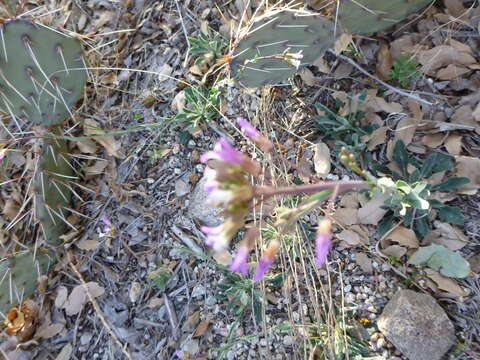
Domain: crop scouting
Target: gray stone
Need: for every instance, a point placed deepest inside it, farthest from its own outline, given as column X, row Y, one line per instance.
column 417, row 326
column 200, row 210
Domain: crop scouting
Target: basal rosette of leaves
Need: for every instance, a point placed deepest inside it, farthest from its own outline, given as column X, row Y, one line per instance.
column 411, row 196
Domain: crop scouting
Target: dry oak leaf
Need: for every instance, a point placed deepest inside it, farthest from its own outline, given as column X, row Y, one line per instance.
column 404, row 236
column 453, row 144
column 78, row 297
column 395, row 250
column 371, row 213
column 113, row 147
column 452, row 72
column 377, row 137
column 351, row 238
column 467, row 166
column 445, row 283
column 87, row 146
column 444, row 55
column 346, row 216
column 433, row 140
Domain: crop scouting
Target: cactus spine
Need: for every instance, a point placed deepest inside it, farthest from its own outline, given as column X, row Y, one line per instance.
column 42, row 76
column 260, row 56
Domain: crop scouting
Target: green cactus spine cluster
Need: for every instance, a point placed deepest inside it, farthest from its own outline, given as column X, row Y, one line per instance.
column 259, row 58
column 42, row 76
column 375, row 15
column 19, row 274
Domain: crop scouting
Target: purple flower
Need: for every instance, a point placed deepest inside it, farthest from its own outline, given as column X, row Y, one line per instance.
column 108, row 228
column 223, row 151
column 323, row 241
column 264, row 144
column 266, row 260
column 248, row 128
column 239, row 263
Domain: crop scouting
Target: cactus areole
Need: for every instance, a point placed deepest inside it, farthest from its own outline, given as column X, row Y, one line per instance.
column 277, row 44
column 42, row 73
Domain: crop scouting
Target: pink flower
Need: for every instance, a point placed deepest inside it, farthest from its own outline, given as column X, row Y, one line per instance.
column 223, row 151
column 266, row 260
column 248, row 128
column 218, row 237
column 264, row 144
column 240, row 262
column 2, row 153
column 323, row 241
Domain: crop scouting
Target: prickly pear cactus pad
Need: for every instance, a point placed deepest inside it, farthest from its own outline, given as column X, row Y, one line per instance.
column 18, row 276
column 53, row 194
column 258, row 59
column 370, row 16
column 39, row 76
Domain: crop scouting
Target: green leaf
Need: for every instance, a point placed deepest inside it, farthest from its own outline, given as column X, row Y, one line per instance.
column 421, row 227
column 438, row 257
column 451, row 183
column 451, row 214
column 400, row 156
column 385, row 224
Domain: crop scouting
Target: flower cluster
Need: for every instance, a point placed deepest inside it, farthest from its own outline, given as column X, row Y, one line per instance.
column 228, row 186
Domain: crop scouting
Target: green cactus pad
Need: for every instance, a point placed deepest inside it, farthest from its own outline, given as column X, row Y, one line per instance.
column 18, row 276
column 52, row 195
column 369, row 16
column 40, row 79
column 271, row 36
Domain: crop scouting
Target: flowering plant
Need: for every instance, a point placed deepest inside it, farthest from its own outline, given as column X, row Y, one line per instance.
column 228, row 186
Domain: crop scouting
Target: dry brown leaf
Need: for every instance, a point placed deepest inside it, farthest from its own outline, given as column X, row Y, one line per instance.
column 451, row 236
column 346, row 216
column 322, row 159
column 464, row 116
column 87, row 146
column 155, row 302
column 351, row 238
column 87, row 245
column 371, row 213
column 455, row 8
column 364, row 262
column 468, row 167
column 342, row 42
column 342, row 71
column 443, row 55
column 453, row 144
column 62, row 294
column 444, row 283
column 78, row 297
column 395, row 250
column 308, row 77
column 405, row 130
column 404, row 236
column 50, row 330
column 452, row 72
column 113, row 148
column 97, row 168
column 384, row 61
column 377, row 137
column 222, row 257
column 201, row 328
column 10, row 209
column 433, row 140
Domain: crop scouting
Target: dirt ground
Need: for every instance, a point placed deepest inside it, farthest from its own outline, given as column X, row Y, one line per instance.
column 154, row 290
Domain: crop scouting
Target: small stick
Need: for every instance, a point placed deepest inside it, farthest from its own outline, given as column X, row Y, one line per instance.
column 383, row 83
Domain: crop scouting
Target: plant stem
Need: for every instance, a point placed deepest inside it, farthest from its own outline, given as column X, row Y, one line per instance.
column 268, row 191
